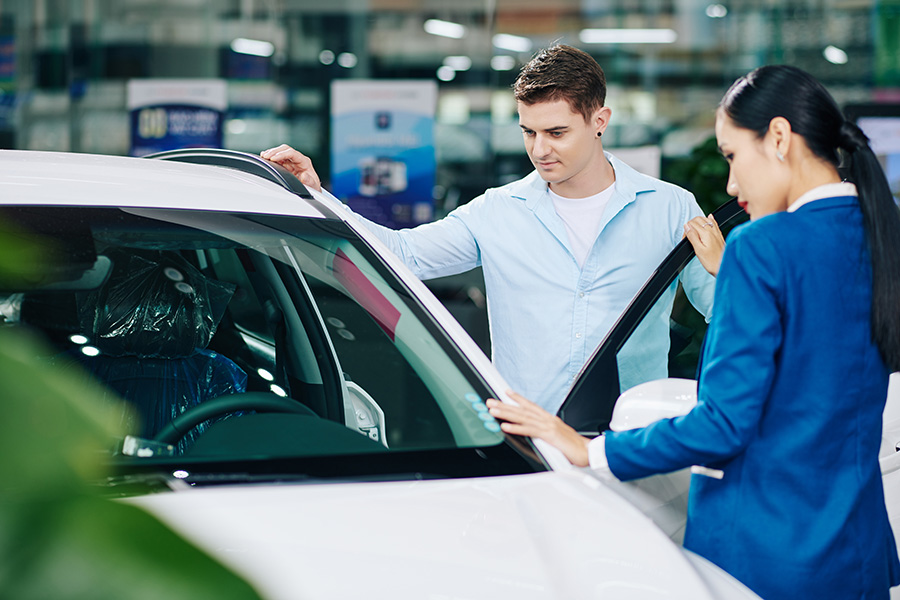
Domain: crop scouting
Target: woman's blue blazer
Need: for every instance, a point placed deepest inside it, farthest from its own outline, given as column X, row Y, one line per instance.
column 790, row 402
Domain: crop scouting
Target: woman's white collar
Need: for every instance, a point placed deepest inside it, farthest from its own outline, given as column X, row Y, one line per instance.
column 829, row 190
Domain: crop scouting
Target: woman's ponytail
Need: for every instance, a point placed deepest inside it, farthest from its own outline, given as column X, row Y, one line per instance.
column 882, row 221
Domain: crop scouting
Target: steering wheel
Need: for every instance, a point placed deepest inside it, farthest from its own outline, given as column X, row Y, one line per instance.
column 249, row 401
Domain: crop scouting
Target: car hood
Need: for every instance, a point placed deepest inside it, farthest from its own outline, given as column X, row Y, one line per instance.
column 546, row 535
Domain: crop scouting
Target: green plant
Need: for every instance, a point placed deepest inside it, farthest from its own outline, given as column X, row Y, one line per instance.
column 59, row 537
column 703, row 172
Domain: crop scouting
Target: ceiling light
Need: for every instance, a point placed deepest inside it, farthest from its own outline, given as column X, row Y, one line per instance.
column 445, row 28
column 236, row 126
column 347, row 60
column 628, row 36
column 514, row 43
column 253, row 47
column 326, row 57
column 835, row 55
column 716, row 11
column 458, row 63
column 503, row 63
column 446, row 73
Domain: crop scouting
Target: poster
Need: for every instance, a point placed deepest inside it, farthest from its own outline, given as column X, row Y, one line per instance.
column 884, row 137
column 167, row 114
column 382, row 151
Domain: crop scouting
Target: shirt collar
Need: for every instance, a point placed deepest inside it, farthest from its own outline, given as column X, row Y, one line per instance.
column 629, row 183
column 829, row 190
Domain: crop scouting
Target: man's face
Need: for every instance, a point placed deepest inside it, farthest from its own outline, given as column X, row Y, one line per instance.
column 562, row 146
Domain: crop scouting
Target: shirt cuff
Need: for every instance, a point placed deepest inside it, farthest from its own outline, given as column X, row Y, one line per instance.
column 597, row 453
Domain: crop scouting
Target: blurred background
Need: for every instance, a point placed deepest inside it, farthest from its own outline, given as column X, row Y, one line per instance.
column 81, row 75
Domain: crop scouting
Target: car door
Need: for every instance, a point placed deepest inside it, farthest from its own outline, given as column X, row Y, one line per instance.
column 589, row 405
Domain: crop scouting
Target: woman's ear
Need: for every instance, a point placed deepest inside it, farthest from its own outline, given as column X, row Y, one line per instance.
column 780, row 133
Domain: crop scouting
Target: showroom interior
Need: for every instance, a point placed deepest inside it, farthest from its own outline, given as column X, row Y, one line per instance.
column 65, row 68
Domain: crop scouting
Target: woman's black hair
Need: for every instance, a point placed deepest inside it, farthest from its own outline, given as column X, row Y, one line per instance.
column 785, row 91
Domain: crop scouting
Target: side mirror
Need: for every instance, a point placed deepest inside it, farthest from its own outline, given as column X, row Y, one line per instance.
column 363, row 413
column 651, row 401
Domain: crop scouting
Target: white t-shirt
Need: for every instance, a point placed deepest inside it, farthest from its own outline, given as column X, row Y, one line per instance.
column 581, row 217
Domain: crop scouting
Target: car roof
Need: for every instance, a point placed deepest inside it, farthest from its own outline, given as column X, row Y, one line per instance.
column 73, row 179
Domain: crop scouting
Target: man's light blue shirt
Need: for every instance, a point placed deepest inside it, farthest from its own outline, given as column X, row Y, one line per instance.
column 547, row 314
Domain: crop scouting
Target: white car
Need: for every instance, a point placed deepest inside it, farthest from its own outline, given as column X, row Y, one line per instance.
column 304, row 409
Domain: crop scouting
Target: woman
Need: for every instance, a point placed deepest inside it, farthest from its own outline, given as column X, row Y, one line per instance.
column 796, row 360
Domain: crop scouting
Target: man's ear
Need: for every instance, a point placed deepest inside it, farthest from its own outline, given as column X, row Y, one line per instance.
column 600, row 119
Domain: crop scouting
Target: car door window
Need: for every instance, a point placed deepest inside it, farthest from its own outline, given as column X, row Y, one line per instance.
column 659, row 335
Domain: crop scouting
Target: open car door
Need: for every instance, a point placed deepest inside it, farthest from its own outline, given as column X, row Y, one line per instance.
column 589, row 405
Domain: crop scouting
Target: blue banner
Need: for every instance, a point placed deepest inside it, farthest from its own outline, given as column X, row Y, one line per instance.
column 382, row 152
column 172, row 114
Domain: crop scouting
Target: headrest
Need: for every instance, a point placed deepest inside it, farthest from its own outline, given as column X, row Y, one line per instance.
column 154, row 304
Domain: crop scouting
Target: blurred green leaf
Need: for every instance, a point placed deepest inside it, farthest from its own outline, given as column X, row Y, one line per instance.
column 703, row 172
column 59, row 538
column 19, row 252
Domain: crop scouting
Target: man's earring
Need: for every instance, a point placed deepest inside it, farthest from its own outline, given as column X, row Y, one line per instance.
column 599, row 134
column 779, row 155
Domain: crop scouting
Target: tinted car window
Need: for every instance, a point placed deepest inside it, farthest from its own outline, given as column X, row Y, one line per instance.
column 282, row 337
column 625, row 358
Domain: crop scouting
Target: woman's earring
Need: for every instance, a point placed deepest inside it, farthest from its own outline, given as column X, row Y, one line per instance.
column 779, row 155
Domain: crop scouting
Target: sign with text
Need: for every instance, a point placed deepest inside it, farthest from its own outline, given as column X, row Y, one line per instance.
column 167, row 114
column 382, row 151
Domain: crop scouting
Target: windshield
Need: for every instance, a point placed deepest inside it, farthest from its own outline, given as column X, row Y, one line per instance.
column 234, row 339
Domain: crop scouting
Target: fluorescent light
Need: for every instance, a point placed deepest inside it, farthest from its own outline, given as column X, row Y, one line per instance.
column 716, row 11
column 326, row 57
column 347, row 60
column 458, row 63
column 514, row 43
column 253, row 47
column 628, row 36
column 445, row 28
column 501, row 62
column 835, row 55
column 236, row 126
column 446, row 73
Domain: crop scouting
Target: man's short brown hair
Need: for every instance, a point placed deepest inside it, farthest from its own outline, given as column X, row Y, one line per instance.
column 562, row 72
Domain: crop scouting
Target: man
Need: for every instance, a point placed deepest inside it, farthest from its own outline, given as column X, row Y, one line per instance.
column 564, row 249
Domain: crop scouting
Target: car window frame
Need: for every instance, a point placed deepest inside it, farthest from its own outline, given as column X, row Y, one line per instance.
column 589, row 404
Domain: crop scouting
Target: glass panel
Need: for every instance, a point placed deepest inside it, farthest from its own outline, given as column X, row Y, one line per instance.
column 667, row 341
column 192, row 307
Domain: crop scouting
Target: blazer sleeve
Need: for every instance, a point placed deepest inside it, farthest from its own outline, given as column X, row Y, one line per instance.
column 744, row 337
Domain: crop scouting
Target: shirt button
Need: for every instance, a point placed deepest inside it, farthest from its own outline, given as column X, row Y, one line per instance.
column 578, row 336
column 581, row 294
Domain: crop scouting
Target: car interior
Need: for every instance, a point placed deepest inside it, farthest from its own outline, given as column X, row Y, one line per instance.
column 241, row 336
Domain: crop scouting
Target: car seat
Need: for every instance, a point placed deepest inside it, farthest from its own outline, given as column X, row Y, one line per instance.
column 151, row 322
